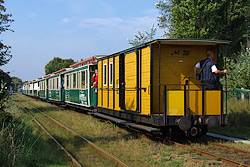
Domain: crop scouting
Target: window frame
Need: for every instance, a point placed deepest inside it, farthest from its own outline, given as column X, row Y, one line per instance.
column 67, row 83
column 57, row 83
column 72, row 81
column 85, row 80
column 111, row 74
column 53, row 84
column 105, row 79
column 50, row 82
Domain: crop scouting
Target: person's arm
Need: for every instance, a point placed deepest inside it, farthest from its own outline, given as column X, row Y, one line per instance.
column 195, row 68
column 221, row 72
column 216, row 71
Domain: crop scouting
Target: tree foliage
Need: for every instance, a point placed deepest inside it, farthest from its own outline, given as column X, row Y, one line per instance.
column 5, row 21
column 238, row 70
column 142, row 37
column 16, row 83
column 56, row 64
column 225, row 20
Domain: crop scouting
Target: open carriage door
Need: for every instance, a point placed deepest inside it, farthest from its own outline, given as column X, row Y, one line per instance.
column 121, row 82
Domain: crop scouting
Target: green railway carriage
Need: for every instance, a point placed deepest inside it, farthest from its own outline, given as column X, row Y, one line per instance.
column 30, row 89
column 25, row 88
column 153, row 84
column 43, row 87
column 55, row 82
column 78, row 82
column 35, row 88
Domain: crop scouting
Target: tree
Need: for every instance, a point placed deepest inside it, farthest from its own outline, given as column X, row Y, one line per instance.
column 227, row 20
column 5, row 21
column 5, row 55
column 16, row 83
column 142, row 37
column 57, row 64
column 238, row 70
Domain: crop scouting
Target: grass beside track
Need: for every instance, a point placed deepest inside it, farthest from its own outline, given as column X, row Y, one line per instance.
column 26, row 144
column 134, row 149
column 238, row 120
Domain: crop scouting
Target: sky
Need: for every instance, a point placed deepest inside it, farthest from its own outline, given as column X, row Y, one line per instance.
column 76, row 29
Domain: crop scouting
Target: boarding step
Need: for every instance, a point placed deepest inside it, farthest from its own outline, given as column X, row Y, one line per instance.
column 124, row 122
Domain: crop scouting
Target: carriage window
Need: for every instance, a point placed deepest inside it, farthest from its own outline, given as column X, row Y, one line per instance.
column 57, row 83
column 74, row 80
column 111, row 74
column 105, row 74
column 83, row 81
column 67, row 81
column 53, row 83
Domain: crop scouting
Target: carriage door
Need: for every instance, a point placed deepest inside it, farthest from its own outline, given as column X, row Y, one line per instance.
column 130, row 66
column 121, row 82
column 62, row 89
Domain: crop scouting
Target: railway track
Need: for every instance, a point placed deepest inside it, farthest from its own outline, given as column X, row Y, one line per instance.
column 226, row 154
column 230, row 155
column 112, row 158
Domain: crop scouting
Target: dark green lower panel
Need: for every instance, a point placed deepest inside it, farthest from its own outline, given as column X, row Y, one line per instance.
column 54, row 95
column 42, row 94
column 77, row 96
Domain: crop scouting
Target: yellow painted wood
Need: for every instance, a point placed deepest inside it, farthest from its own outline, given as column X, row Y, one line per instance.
column 110, row 90
column 116, row 82
column 145, row 81
column 212, row 102
column 175, row 65
column 105, row 90
column 100, row 83
column 130, row 81
column 175, row 103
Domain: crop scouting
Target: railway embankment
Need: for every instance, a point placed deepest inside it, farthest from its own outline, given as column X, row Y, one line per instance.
column 22, row 143
column 135, row 149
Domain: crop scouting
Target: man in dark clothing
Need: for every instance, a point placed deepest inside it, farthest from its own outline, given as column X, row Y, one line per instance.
column 208, row 71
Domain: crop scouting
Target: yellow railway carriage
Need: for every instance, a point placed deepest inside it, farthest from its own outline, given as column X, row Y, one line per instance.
column 153, row 84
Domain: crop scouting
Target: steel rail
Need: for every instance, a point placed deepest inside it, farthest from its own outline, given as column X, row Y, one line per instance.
column 108, row 155
column 208, row 154
column 231, row 148
column 76, row 163
column 204, row 153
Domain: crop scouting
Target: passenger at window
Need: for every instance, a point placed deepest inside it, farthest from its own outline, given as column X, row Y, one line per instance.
column 95, row 80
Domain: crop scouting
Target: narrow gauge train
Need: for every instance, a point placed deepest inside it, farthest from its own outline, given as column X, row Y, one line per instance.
column 147, row 87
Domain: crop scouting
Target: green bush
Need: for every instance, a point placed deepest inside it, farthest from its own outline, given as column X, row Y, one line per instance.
column 238, row 70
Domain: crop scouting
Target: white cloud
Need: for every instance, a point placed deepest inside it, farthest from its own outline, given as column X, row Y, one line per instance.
column 67, row 20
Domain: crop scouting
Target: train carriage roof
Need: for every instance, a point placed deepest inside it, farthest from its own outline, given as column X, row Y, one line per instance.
column 191, row 41
column 213, row 42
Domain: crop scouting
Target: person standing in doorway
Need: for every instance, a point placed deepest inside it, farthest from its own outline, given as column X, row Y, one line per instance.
column 208, row 71
column 95, row 80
